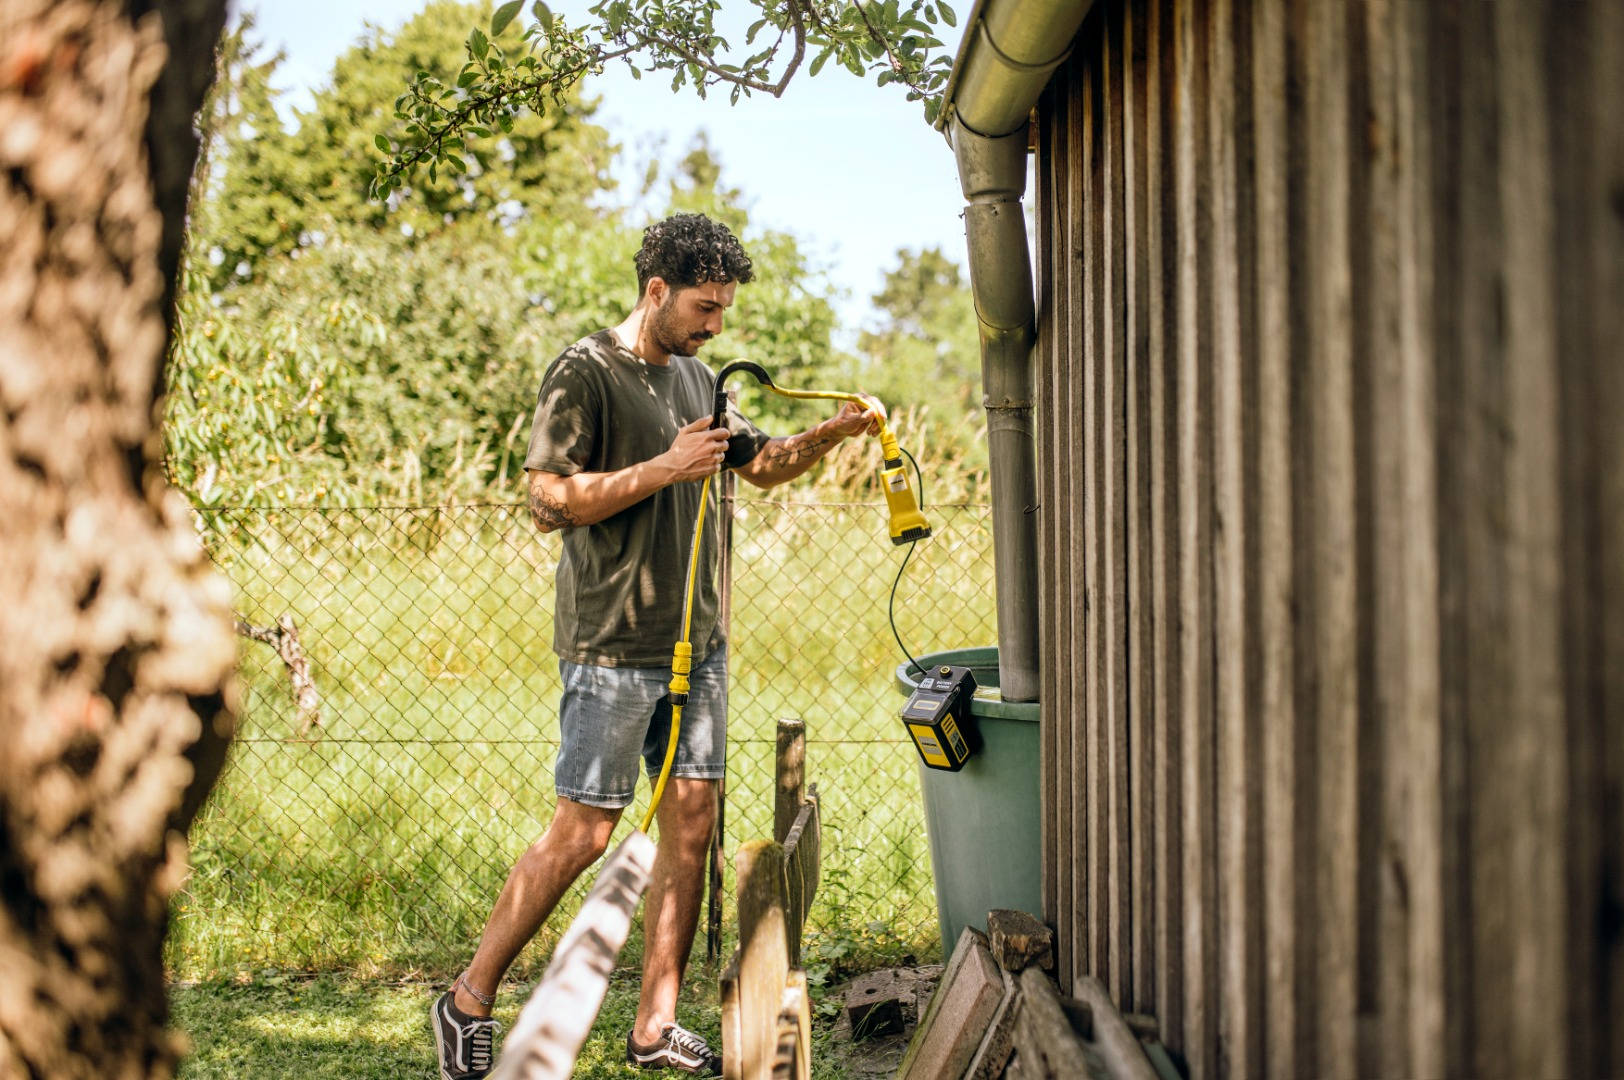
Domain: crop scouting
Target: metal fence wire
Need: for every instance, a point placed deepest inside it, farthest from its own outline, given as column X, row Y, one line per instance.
column 371, row 808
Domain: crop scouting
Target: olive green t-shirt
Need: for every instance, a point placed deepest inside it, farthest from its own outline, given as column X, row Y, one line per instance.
column 621, row 582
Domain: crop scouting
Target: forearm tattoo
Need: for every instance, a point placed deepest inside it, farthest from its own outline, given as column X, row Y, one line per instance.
column 549, row 513
column 785, row 453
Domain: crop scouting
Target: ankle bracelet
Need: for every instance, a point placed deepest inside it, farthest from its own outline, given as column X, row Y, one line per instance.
column 486, row 1000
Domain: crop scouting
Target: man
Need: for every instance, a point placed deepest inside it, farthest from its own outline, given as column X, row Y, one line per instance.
column 619, row 444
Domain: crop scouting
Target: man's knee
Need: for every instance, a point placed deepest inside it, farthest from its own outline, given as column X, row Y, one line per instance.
column 688, row 814
column 579, row 833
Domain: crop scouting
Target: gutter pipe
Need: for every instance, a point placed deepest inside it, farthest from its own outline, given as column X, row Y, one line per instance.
column 1009, row 52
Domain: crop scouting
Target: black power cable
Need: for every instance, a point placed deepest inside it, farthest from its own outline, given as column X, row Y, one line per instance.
column 891, row 605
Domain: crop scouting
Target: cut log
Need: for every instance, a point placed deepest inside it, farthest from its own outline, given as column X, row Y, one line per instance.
column 554, row 1023
column 1019, row 940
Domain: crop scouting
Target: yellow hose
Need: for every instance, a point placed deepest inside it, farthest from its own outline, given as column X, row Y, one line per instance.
column 682, row 658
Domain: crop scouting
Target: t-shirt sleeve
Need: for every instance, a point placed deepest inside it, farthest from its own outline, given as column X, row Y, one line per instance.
column 744, row 441
column 564, row 430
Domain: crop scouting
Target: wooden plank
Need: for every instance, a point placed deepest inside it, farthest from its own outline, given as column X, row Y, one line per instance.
column 1272, row 274
column 1113, row 511
column 1045, row 1046
column 551, row 1028
column 1077, row 852
column 789, row 762
column 1115, row 1041
column 1535, row 780
column 1331, row 544
column 1161, row 257
column 803, row 854
column 1138, row 200
column 1049, row 572
column 1092, row 804
column 1195, row 567
column 792, row 1057
column 750, row 998
column 1593, row 333
column 1238, row 924
column 714, row 883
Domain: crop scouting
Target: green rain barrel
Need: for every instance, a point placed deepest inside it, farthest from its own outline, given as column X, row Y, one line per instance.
column 983, row 821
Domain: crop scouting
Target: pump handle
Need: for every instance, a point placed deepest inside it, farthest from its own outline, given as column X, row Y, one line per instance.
column 719, row 411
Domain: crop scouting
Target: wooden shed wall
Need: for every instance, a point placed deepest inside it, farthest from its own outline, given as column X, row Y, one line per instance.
column 1331, row 410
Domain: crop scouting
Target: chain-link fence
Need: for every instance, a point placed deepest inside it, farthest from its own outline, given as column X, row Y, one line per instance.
column 367, row 818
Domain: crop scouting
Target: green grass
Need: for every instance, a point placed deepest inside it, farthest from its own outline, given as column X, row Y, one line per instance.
column 373, row 851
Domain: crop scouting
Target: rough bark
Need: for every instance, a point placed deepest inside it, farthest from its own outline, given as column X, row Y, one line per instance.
column 116, row 646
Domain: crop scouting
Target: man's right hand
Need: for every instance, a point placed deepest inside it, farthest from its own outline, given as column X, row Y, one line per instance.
column 697, row 451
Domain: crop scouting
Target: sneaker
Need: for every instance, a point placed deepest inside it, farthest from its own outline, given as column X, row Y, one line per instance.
column 462, row 1041
column 678, row 1048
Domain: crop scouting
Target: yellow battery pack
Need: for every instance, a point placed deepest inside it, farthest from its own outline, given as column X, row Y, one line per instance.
column 936, row 717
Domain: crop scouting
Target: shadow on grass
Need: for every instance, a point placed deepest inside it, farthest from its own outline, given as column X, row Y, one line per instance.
column 333, row 1027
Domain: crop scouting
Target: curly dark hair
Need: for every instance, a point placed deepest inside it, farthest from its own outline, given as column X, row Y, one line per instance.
column 690, row 249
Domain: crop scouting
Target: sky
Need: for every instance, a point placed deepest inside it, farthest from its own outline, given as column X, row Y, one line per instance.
column 850, row 168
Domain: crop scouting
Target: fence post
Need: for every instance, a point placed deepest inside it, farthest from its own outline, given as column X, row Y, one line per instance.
column 790, row 770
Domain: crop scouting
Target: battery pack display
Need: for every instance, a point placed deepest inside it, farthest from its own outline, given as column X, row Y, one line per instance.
column 937, row 717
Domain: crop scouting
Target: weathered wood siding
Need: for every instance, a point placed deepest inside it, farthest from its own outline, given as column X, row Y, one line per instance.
column 1331, row 385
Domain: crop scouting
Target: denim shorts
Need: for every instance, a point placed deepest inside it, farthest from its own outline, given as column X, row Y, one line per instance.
column 609, row 716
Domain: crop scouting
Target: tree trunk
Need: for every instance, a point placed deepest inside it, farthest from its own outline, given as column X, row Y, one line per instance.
column 116, row 647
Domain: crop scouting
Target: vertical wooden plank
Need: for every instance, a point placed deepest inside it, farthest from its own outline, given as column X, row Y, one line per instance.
column 1283, row 855
column 1113, row 477
column 1050, row 569
column 1142, row 761
column 1161, row 257
column 1536, row 781
column 1081, row 849
column 751, row 1003
column 1457, row 170
column 1195, row 566
column 1589, row 166
column 1330, row 546
column 1092, row 375
column 1407, row 947
column 1238, row 925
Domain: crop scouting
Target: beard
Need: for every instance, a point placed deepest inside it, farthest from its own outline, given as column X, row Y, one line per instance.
column 668, row 336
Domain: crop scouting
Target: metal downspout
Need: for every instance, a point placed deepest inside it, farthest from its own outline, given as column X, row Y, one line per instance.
column 993, row 175
column 1010, row 50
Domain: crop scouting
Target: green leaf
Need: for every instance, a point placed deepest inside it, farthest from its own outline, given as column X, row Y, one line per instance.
column 543, row 14
column 947, row 15
column 478, row 44
column 504, row 15
column 636, row 74
column 382, row 144
column 467, row 79
column 755, row 28
column 818, row 61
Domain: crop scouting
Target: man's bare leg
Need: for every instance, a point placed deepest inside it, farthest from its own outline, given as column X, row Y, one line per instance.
column 687, row 817
column 574, row 839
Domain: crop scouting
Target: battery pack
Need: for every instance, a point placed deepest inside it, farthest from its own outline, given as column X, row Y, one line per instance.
column 937, row 718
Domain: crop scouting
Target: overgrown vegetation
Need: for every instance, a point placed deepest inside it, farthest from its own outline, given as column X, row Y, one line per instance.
column 334, row 349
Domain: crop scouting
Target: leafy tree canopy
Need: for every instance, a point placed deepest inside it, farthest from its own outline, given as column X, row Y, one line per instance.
column 271, row 190
column 502, row 79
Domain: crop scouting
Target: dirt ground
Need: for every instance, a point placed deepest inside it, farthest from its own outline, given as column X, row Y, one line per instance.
column 879, row 1055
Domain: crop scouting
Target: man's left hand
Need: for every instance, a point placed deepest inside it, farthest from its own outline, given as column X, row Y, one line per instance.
column 854, row 419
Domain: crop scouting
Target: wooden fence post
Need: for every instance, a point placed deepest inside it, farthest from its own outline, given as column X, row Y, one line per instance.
column 791, row 774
